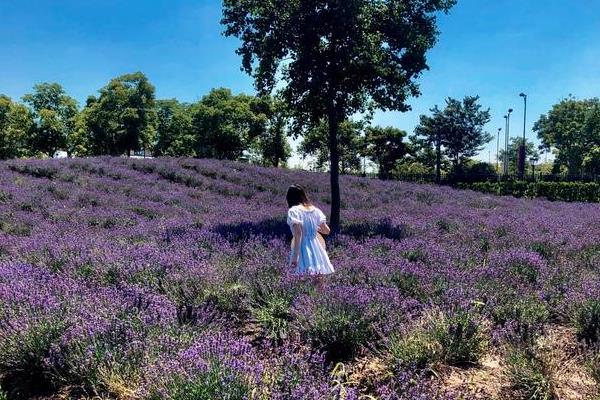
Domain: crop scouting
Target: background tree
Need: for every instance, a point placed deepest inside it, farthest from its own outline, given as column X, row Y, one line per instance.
column 429, row 137
column 569, row 129
column 16, row 123
column 422, row 158
column 271, row 145
column 123, row 117
column 225, row 125
column 513, row 150
column 54, row 115
column 464, row 134
column 386, row 148
column 456, row 132
column 175, row 129
column 339, row 57
column 315, row 142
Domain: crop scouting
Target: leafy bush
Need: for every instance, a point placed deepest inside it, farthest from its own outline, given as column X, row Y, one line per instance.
column 455, row 339
column 272, row 312
column 528, row 378
column 342, row 320
column 587, row 321
column 524, row 317
column 559, row 191
column 415, row 349
column 461, row 337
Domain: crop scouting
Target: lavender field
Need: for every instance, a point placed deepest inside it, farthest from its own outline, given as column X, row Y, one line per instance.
column 167, row 279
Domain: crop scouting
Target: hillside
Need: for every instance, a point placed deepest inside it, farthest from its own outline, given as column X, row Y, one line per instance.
column 167, row 279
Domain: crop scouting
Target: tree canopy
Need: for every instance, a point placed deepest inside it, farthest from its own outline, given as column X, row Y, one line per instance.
column 572, row 129
column 456, row 132
column 16, row 124
column 315, row 142
column 54, row 115
column 386, row 147
column 123, row 117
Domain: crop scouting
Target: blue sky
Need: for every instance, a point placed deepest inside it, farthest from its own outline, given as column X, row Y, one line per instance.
column 496, row 49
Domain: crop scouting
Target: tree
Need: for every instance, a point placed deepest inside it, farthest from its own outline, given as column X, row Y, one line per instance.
column 386, row 148
column 225, row 125
column 123, row 117
column 271, row 144
column 175, row 129
column 513, row 150
column 350, row 141
column 335, row 58
column 16, row 123
column 570, row 130
column 54, row 115
column 456, row 132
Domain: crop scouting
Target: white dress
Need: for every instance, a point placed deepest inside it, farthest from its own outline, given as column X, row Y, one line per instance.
column 313, row 258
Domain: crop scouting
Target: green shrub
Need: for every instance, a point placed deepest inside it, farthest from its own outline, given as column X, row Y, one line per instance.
column 272, row 312
column 556, row 191
column 528, row 314
column 25, row 352
column 593, row 366
column 461, row 337
column 215, row 383
column 587, row 321
column 528, row 378
column 455, row 339
column 415, row 349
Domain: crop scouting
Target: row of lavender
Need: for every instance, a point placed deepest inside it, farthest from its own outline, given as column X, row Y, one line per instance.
column 167, row 279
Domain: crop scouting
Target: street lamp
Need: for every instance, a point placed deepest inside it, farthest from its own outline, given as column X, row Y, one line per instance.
column 498, row 151
column 522, row 149
column 507, row 136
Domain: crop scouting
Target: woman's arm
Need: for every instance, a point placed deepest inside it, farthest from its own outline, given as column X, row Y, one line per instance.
column 324, row 229
column 297, row 240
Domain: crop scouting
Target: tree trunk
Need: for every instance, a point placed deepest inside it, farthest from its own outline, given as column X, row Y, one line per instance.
column 334, row 172
column 438, row 161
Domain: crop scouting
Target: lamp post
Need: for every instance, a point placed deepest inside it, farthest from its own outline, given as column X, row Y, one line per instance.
column 504, row 165
column 498, row 151
column 522, row 149
column 510, row 110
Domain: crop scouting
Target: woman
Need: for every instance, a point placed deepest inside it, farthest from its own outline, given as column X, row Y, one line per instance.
column 307, row 222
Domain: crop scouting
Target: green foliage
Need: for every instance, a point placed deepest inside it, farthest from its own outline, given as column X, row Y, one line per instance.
column 456, row 132
column 572, row 128
column 386, row 148
column 272, row 311
column 316, row 143
column 461, row 337
column 531, row 153
column 16, row 125
column 225, row 124
column 525, row 314
column 174, row 131
column 527, row 376
column 217, row 382
column 556, row 191
column 122, row 118
column 271, row 144
column 586, row 318
column 415, row 349
column 339, row 328
column 26, row 351
column 55, row 116
column 593, row 366
column 454, row 339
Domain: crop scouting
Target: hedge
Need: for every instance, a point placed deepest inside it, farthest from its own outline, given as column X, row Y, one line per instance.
column 559, row 191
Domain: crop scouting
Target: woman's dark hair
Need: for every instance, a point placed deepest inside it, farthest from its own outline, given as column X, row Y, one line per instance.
column 296, row 195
